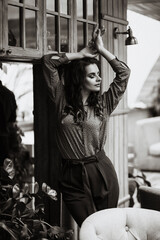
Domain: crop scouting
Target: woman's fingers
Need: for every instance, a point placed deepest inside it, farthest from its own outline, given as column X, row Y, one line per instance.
column 94, row 33
column 98, row 32
column 103, row 30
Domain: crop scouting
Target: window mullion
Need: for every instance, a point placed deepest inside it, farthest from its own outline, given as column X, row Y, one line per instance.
column 22, row 25
column 58, row 27
column 74, row 29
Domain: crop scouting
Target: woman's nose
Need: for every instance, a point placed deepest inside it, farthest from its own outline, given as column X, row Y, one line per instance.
column 98, row 79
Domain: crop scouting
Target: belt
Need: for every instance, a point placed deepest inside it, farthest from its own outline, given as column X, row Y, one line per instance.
column 83, row 162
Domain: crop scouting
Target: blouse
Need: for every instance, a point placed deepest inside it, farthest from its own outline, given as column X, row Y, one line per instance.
column 76, row 141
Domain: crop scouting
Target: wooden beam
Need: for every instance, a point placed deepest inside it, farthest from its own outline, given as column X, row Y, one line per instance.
column 142, row 1
column 114, row 19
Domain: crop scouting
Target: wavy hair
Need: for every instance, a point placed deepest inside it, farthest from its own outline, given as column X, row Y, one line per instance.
column 74, row 77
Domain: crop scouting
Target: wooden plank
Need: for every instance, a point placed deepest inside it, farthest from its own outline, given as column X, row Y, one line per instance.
column 1, row 29
column 110, row 8
column 125, row 180
column 121, row 154
column 104, row 6
column 116, row 146
column 125, row 6
column 142, row 1
column 120, row 9
column 115, row 8
column 5, row 25
column 114, row 19
column 47, row 161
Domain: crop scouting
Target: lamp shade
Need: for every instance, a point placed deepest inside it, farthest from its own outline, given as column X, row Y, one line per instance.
column 131, row 40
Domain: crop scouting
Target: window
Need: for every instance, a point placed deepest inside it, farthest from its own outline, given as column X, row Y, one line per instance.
column 69, row 24
column 22, row 23
column 58, row 24
column 87, row 18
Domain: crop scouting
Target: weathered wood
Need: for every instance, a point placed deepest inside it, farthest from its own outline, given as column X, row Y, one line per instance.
column 116, row 146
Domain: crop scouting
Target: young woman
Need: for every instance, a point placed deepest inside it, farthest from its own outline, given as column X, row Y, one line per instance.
column 88, row 182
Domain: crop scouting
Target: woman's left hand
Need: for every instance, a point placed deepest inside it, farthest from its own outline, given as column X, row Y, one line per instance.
column 88, row 52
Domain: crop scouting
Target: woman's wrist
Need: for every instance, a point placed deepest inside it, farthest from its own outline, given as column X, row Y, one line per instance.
column 74, row 56
column 105, row 53
column 101, row 49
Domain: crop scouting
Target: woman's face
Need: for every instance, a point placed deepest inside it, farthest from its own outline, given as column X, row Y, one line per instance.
column 93, row 80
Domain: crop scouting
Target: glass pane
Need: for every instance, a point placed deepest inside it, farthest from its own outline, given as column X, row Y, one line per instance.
column 51, row 32
column 64, row 35
column 64, row 7
column 90, row 30
column 90, row 9
column 14, row 31
column 80, row 37
column 31, row 30
column 50, row 5
column 80, row 8
column 30, row 2
column 18, row 78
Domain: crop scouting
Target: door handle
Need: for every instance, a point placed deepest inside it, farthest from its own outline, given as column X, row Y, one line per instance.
column 9, row 51
column 2, row 51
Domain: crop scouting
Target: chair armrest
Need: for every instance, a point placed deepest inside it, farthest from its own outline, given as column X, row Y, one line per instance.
column 150, row 197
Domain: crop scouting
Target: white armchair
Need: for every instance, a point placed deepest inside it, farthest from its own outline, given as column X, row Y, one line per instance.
column 147, row 144
column 122, row 224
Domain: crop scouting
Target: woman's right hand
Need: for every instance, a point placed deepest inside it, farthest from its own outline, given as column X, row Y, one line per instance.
column 97, row 38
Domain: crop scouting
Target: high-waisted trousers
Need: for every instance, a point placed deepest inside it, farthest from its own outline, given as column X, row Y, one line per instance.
column 89, row 185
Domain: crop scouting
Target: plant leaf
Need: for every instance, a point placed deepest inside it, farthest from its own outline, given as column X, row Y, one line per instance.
column 21, row 206
column 4, row 177
column 4, row 226
column 8, row 166
column 24, row 232
column 28, row 213
column 10, row 202
column 49, row 192
column 16, row 190
column 36, row 187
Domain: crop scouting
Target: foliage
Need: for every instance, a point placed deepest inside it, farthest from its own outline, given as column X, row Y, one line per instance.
column 20, row 217
column 17, row 215
column 23, row 163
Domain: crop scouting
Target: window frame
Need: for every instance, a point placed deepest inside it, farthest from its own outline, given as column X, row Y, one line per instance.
column 22, row 51
column 85, row 19
column 59, row 15
column 73, row 20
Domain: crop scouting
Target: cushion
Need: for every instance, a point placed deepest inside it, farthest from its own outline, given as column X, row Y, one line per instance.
column 122, row 224
column 154, row 149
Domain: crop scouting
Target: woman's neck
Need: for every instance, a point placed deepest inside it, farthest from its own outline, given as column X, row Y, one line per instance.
column 85, row 95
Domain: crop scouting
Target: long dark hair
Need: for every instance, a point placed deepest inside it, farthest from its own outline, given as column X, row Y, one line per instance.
column 74, row 77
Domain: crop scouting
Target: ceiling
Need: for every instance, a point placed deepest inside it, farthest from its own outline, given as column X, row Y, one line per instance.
column 149, row 8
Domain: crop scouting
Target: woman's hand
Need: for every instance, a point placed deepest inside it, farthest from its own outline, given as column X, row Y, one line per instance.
column 97, row 38
column 88, row 52
column 96, row 43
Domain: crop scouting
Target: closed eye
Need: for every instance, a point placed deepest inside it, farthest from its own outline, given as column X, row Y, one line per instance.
column 92, row 75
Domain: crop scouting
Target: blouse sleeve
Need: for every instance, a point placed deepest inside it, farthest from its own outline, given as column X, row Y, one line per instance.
column 117, row 88
column 51, row 64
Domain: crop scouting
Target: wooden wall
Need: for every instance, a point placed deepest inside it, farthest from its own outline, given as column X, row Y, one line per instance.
column 113, row 14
